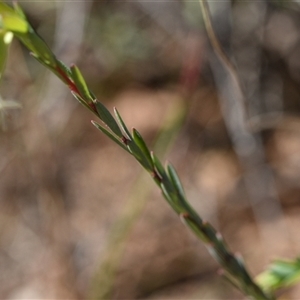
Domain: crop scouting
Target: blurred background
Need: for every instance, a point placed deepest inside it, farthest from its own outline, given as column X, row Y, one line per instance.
column 80, row 219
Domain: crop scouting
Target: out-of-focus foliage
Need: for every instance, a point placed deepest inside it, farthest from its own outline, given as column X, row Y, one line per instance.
column 281, row 273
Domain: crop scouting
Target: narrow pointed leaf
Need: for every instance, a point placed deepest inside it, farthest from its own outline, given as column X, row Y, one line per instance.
column 81, row 101
column 195, row 227
column 80, row 83
column 42, row 62
column 139, row 155
column 122, row 125
column 107, row 118
column 175, row 180
column 165, row 181
column 92, row 95
column 158, row 166
column 37, row 45
column 110, row 135
column 226, row 275
column 142, row 145
column 180, row 194
column 169, row 199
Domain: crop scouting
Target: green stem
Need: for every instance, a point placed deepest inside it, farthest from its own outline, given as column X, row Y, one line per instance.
column 102, row 283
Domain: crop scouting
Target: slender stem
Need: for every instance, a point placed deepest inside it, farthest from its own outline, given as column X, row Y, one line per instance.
column 102, row 283
column 221, row 53
column 230, row 263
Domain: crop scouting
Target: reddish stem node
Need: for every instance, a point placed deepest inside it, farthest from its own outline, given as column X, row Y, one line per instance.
column 185, row 215
column 125, row 140
column 156, row 176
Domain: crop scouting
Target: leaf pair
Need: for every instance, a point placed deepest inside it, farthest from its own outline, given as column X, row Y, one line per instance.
column 119, row 133
column 168, row 179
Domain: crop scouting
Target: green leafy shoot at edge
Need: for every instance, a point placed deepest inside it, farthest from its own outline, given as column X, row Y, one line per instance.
column 281, row 273
column 13, row 21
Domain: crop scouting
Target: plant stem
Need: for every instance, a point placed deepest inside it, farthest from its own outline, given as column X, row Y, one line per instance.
column 114, row 127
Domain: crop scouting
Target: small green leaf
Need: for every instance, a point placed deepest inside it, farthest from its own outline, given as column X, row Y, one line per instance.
column 201, row 234
column 107, row 118
column 165, row 181
column 37, row 45
column 81, row 101
column 158, row 166
column 169, row 199
column 80, row 83
column 139, row 155
column 92, row 95
column 175, row 180
column 110, row 135
column 122, row 125
column 180, row 194
column 138, row 139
